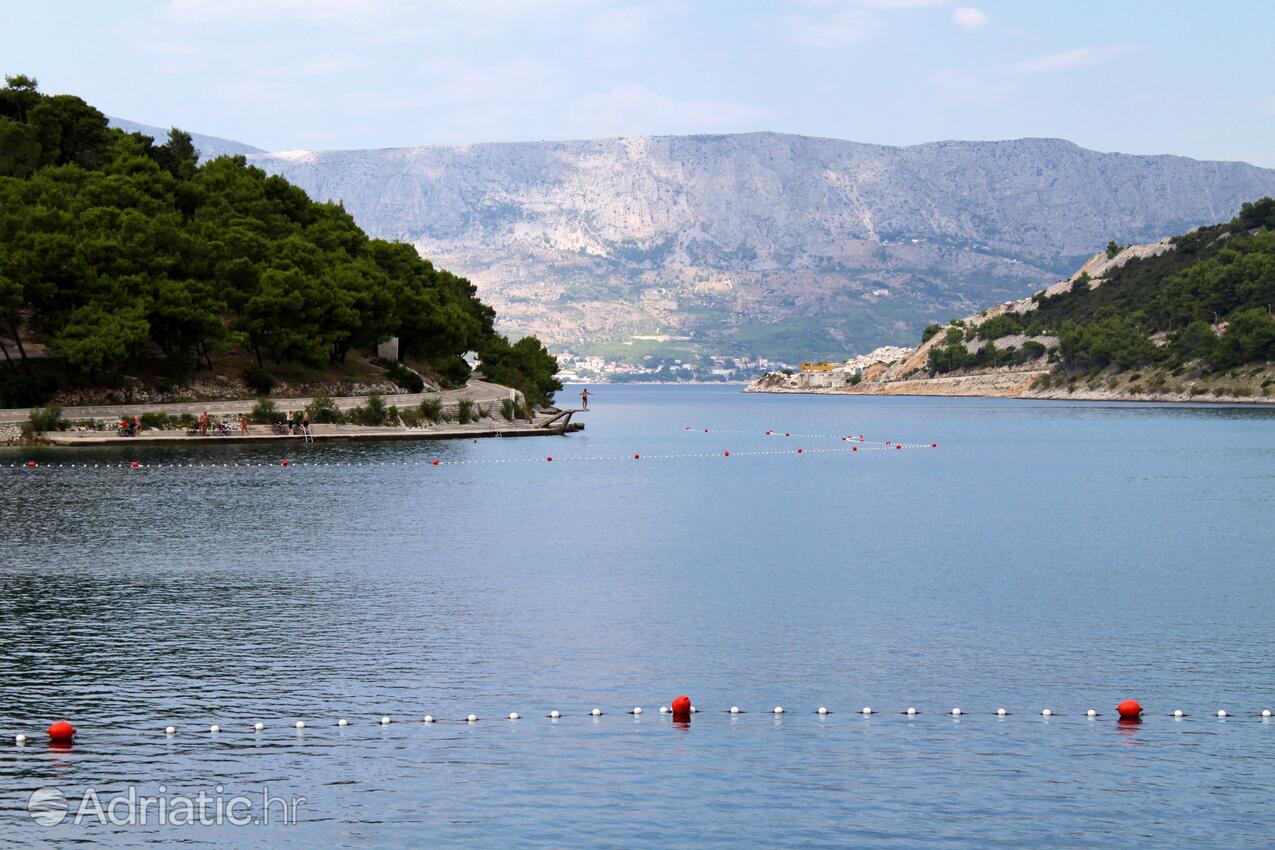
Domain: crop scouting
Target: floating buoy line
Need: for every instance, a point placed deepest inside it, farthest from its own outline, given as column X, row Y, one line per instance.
column 857, row 444
column 679, row 710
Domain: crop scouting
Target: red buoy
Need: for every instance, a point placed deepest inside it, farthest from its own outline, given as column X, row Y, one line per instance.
column 549, row 458
column 787, row 433
column 636, row 456
column 799, row 451
column 934, row 445
column 705, row 430
column 30, row 464
column 1129, row 710
column 61, row 732
column 681, row 708
column 725, row 454
column 435, row 461
column 899, row 446
column 854, row 448
column 133, row 464
column 283, row 462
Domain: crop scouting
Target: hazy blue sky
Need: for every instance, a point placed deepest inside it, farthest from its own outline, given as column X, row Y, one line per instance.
column 1189, row 78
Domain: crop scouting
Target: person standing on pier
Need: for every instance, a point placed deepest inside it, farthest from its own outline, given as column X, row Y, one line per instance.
column 584, row 398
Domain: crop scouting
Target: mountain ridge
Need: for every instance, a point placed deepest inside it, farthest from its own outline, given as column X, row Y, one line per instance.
column 759, row 243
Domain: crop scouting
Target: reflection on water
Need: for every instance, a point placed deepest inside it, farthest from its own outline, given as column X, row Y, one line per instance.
column 1046, row 555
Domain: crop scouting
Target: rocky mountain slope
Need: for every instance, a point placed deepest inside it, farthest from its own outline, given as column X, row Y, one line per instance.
column 778, row 245
column 209, row 147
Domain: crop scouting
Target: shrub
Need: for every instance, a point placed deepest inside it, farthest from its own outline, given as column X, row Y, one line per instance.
column 44, row 419
column 930, row 332
column 323, row 410
column 25, row 390
column 406, row 378
column 372, row 413
column 264, row 412
column 432, row 410
column 186, row 420
column 410, row 417
column 258, row 380
column 156, row 421
column 508, row 409
column 466, row 411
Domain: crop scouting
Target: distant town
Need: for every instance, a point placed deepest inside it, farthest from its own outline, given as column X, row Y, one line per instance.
column 657, row 368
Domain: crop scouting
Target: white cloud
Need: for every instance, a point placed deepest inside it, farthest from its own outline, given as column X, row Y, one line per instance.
column 636, row 110
column 835, row 30
column 969, row 18
column 1079, row 57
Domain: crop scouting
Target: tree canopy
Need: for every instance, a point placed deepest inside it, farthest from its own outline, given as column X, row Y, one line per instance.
column 115, row 249
column 1216, row 278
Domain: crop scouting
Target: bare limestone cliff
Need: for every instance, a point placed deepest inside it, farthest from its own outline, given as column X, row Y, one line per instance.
column 770, row 244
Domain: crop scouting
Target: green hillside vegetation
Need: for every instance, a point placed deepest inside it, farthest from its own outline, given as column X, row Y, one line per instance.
column 119, row 254
column 1159, row 312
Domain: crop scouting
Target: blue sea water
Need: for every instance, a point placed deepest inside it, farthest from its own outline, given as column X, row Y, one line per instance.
column 1044, row 555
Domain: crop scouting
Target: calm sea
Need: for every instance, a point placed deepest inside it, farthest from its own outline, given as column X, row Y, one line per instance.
column 1045, row 555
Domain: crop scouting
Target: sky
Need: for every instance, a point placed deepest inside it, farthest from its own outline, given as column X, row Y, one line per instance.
column 1186, row 78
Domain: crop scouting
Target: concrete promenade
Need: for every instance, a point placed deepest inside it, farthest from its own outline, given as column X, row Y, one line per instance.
column 480, row 391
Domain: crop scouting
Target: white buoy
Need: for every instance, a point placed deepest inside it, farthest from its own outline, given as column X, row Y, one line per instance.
column 779, row 709
column 1177, row 712
column 911, row 712
column 257, row 727
column 429, row 718
column 1046, row 713
column 214, row 729
column 513, row 715
column 956, row 712
column 866, row 710
column 694, row 710
column 1000, row 712
column 300, row 724
column 1091, row 713
column 473, row 718
column 664, row 709
column 822, row 710
column 734, row 709
column 555, row 714
column 19, row 739
column 170, row 730
column 1266, row 712
column 343, row 722
column 597, row 712
column 637, row 709
column 385, row 721
column 1221, row 712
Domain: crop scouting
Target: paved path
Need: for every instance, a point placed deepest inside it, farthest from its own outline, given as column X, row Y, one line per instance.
column 480, row 391
column 322, row 434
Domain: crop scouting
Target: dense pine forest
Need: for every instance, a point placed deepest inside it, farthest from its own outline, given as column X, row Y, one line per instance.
column 120, row 255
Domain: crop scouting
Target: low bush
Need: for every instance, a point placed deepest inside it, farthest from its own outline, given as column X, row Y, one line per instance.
column 44, row 419
column 258, row 380
column 432, row 410
column 466, row 411
column 373, row 413
column 156, row 421
column 508, row 409
column 406, row 378
column 264, row 412
column 323, row 410
column 410, row 416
